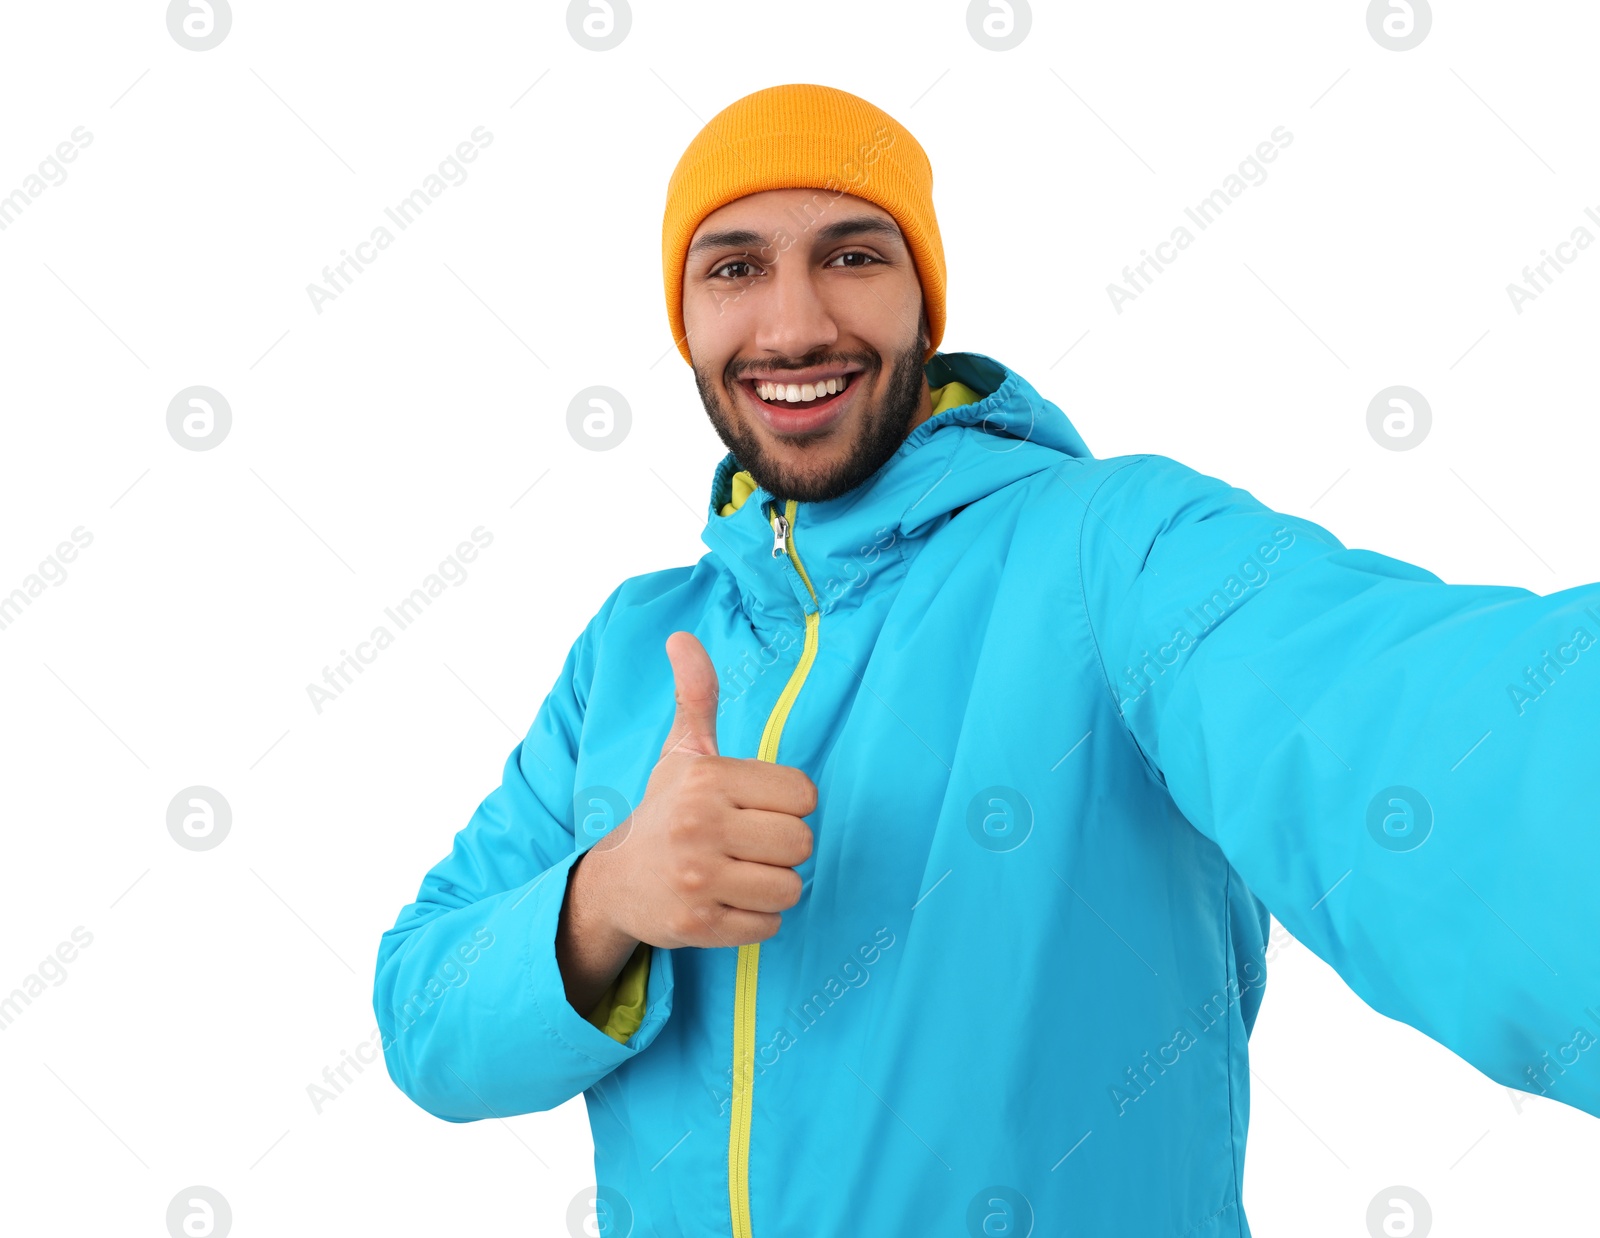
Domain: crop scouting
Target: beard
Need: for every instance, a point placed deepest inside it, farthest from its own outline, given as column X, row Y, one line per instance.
column 878, row 428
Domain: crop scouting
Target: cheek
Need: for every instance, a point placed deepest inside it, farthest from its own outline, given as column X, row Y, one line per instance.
column 712, row 317
column 881, row 313
column 708, row 329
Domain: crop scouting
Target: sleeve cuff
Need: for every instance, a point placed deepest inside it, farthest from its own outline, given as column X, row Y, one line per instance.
column 641, row 994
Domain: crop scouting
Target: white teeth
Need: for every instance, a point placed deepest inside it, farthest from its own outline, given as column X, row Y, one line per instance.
column 801, row 391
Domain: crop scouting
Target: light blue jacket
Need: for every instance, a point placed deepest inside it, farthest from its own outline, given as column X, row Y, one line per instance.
column 1076, row 725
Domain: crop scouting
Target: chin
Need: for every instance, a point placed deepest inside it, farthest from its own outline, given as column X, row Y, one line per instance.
column 814, row 481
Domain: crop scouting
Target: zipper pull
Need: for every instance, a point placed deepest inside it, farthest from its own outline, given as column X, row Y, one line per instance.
column 780, row 534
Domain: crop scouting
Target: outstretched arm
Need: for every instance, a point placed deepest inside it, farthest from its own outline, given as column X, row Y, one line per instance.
column 1406, row 772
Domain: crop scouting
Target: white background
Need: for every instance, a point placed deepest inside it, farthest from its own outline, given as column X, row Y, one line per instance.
column 430, row 397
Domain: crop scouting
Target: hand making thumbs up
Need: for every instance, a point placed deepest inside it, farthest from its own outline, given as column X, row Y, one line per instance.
column 708, row 857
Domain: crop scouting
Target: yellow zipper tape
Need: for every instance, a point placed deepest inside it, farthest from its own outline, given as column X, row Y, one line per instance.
column 744, row 992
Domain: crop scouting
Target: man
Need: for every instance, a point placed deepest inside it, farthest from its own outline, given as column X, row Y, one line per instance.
column 943, row 908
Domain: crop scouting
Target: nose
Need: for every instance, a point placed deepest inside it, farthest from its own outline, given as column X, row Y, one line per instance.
column 794, row 319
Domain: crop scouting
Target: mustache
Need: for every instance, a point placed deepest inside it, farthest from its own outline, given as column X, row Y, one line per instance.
column 779, row 367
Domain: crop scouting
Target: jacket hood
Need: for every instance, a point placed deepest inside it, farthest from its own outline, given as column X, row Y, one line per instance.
column 955, row 458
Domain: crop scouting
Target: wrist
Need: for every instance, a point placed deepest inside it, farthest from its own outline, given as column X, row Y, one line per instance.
column 594, row 904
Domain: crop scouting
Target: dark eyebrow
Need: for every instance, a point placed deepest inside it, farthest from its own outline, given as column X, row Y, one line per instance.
column 855, row 225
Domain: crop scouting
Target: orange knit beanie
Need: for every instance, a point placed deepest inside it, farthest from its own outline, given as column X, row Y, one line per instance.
column 804, row 136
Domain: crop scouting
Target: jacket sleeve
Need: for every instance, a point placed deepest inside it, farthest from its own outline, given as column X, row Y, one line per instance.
column 471, row 1006
column 1402, row 770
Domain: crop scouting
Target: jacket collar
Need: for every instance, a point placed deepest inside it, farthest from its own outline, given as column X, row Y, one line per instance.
column 952, row 459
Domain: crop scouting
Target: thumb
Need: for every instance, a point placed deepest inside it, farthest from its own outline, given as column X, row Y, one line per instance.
column 694, row 728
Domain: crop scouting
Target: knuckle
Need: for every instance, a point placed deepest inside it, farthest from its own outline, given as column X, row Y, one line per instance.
column 686, row 825
column 702, row 777
column 678, row 829
column 713, row 930
column 685, row 925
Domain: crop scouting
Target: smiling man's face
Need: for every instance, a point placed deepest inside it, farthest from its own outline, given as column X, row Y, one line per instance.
column 799, row 287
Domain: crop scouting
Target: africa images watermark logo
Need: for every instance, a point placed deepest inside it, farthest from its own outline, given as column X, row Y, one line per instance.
column 1253, row 573
column 1539, row 276
column 51, row 972
column 453, row 973
column 853, row 973
column 50, row 175
column 51, row 571
column 336, row 679
column 1541, row 677
column 1251, row 172
column 1399, row 818
column 339, row 276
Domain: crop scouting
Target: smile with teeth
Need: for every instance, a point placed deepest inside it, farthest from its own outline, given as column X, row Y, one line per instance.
column 800, row 393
